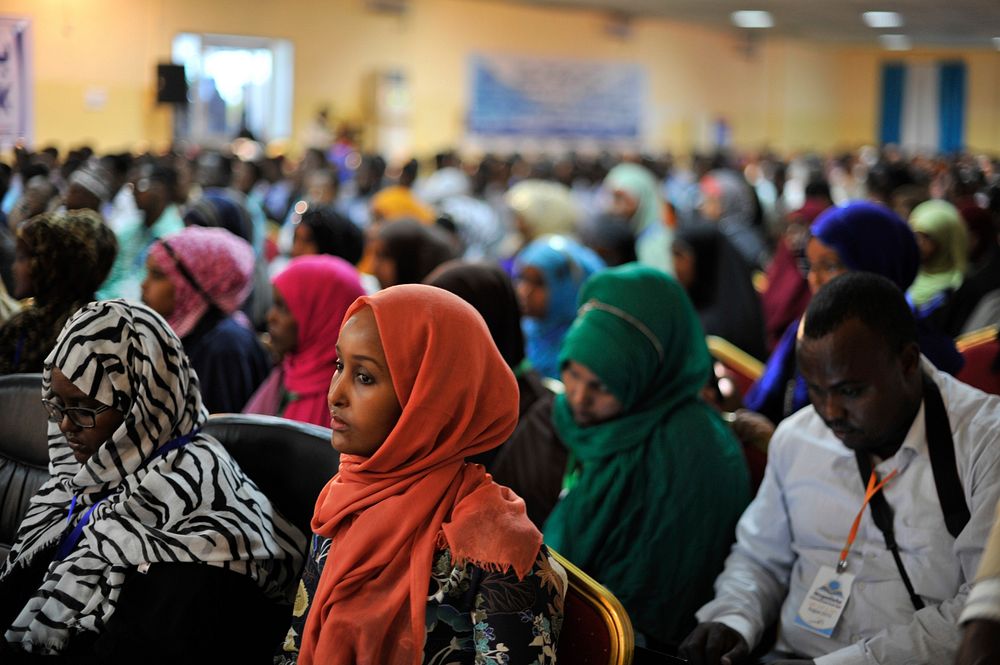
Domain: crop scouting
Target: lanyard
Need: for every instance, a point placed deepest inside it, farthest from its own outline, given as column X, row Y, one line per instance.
column 873, row 489
column 69, row 540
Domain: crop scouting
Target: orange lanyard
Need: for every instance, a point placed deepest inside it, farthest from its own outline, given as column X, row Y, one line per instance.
column 872, row 490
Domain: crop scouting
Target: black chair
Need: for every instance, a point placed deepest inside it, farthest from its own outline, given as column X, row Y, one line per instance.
column 289, row 461
column 24, row 454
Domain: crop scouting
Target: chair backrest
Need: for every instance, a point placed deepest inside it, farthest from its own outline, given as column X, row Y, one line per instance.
column 596, row 628
column 745, row 368
column 24, row 451
column 290, row 461
column 980, row 349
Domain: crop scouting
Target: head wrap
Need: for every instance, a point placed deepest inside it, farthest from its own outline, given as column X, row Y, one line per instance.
column 945, row 269
column 191, row 504
column 723, row 293
column 334, row 234
column 70, row 254
column 870, row 237
column 318, row 290
column 736, row 220
column 734, row 195
column 979, row 223
column 209, row 268
column 95, row 179
column 640, row 184
column 565, row 264
column 667, row 449
column 545, row 207
column 388, row 513
column 416, row 249
column 397, row 202
column 220, row 211
column 489, row 289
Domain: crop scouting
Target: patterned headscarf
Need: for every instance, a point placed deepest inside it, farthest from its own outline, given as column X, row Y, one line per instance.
column 70, row 255
column 209, row 268
column 191, row 503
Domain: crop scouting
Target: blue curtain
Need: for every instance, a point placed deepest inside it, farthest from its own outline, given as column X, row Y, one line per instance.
column 893, row 80
column 951, row 98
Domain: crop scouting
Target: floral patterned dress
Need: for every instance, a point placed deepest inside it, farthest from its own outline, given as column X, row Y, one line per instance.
column 474, row 616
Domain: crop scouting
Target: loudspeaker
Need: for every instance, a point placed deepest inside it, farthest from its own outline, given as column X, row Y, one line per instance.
column 171, row 84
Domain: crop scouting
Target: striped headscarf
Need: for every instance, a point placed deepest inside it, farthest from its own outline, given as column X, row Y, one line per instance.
column 191, row 504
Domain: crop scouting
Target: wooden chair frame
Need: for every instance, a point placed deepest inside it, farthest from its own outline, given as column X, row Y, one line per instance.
column 732, row 356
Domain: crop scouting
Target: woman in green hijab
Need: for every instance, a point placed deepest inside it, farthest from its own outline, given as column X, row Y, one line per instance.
column 657, row 480
column 943, row 244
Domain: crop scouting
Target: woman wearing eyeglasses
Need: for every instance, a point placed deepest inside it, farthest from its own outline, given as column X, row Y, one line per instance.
column 147, row 544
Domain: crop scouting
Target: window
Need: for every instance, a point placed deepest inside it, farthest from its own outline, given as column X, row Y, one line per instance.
column 235, row 84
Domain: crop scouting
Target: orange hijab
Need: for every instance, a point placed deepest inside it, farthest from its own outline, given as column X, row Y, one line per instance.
column 387, row 514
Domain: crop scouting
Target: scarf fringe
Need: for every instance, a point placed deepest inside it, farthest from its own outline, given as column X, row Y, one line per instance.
column 460, row 560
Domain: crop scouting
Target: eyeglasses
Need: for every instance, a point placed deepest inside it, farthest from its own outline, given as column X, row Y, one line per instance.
column 80, row 416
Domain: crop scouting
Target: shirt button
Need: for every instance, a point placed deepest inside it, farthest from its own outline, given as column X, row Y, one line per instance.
column 861, row 586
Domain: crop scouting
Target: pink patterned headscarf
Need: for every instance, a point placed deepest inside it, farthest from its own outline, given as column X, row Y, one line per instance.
column 207, row 266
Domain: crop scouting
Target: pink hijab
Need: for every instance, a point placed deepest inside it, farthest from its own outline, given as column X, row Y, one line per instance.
column 318, row 290
column 220, row 265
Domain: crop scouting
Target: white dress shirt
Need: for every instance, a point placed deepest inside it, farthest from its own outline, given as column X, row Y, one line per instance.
column 800, row 520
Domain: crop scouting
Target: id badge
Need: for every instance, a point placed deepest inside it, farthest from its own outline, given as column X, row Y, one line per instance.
column 825, row 602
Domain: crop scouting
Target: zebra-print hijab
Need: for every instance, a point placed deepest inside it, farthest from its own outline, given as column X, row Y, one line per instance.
column 191, row 504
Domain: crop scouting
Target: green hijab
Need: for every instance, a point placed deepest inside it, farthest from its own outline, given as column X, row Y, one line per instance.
column 659, row 489
column 945, row 269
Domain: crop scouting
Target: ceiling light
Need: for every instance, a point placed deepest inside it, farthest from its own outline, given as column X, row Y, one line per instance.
column 752, row 19
column 894, row 42
column 882, row 19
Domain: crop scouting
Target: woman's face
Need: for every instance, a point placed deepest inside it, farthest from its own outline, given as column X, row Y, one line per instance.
column 824, row 264
column 84, row 442
column 623, row 204
column 532, row 293
column 926, row 245
column 710, row 206
column 303, row 243
column 363, row 404
column 383, row 264
column 281, row 326
column 24, row 286
column 684, row 265
column 157, row 289
column 589, row 399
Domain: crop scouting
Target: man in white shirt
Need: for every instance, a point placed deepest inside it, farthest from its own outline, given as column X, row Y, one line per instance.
column 838, row 599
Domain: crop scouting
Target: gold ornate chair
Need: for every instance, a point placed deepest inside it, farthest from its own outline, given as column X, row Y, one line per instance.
column 596, row 628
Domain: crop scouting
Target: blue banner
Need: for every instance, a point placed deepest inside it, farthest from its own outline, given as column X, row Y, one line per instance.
column 556, row 98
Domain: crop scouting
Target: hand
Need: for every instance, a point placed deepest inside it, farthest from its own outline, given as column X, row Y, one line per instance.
column 980, row 643
column 752, row 429
column 714, row 644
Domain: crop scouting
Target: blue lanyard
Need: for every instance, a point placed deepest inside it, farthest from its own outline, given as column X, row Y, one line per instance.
column 69, row 541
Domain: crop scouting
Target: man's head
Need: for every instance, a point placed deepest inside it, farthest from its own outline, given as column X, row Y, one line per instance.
column 155, row 189
column 858, row 354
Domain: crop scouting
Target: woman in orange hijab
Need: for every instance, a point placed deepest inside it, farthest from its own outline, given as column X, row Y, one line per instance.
column 419, row 557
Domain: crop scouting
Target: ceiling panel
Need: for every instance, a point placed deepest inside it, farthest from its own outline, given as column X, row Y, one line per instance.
column 966, row 23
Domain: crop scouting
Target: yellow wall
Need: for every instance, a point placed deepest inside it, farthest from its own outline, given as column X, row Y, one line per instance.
column 786, row 94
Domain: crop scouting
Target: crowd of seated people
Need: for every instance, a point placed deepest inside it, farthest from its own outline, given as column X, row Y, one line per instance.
column 511, row 355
